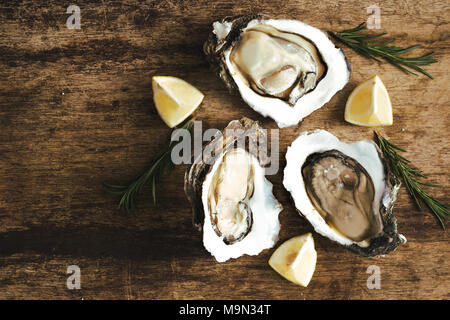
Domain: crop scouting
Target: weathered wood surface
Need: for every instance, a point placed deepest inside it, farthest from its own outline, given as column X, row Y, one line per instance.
column 76, row 110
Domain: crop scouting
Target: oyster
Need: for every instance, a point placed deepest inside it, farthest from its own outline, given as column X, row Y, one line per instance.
column 346, row 191
column 283, row 69
column 232, row 201
column 228, row 196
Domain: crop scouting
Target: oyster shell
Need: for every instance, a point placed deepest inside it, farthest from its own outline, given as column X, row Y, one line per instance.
column 232, row 201
column 346, row 191
column 283, row 69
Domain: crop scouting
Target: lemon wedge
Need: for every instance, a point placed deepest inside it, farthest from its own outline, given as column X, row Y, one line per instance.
column 296, row 259
column 369, row 104
column 175, row 99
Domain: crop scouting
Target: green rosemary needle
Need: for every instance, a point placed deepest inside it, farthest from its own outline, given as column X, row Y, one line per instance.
column 151, row 175
column 410, row 176
column 366, row 45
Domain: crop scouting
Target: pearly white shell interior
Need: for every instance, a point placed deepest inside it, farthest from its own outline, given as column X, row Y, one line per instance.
column 313, row 141
column 265, row 227
column 285, row 115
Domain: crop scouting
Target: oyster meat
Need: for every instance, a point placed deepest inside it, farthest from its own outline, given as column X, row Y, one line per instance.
column 346, row 191
column 230, row 191
column 284, row 69
column 276, row 63
column 232, row 201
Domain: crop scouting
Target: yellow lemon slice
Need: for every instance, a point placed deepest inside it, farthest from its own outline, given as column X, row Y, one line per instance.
column 296, row 259
column 369, row 104
column 175, row 99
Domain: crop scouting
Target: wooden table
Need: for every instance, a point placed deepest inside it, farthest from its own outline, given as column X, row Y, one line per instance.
column 76, row 110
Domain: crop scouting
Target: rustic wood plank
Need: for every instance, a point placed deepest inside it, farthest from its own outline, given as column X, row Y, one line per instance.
column 76, row 110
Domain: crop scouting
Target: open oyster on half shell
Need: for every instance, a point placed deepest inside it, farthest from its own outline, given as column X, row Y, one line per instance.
column 232, row 200
column 284, row 69
column 346, row 191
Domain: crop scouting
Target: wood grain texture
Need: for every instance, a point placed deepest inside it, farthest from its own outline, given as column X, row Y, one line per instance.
column 76, row 110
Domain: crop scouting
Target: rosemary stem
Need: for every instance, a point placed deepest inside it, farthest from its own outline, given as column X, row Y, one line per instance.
column 130, row 192
column 364, row 44
column 409, row 176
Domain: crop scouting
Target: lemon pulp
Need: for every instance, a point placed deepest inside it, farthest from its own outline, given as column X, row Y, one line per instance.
column 175, row 99
column 369, row 104
column 296, row 259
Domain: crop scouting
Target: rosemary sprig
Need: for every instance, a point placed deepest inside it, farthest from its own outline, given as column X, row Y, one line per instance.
column 372, row 48
column 410, row 176
column 151, row 175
